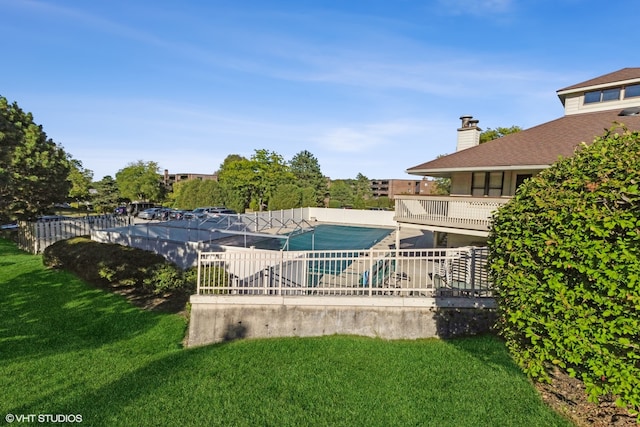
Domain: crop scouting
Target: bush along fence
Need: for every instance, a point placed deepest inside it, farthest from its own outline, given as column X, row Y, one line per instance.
column 35, row 236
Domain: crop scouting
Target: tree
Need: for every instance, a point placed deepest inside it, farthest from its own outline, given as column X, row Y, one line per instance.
column 341, row 193
column 34, row 170
column 565, row 261
column 251, row 183
column 498, row 132
column 81, row 180
column 362, row 191
column 140, row 181
column 270, row 171
column 107, row 196
column 442, row 186
column 185, row 194
column 235, row 179
column 310, row 196
column 306, row 169
column 286, row 196
column 209, row 193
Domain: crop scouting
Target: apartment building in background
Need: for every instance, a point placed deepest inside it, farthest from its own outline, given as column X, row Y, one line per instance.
column 169, row 179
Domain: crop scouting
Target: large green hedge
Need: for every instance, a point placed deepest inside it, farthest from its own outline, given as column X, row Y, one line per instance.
column 115, row 266
column 565, row 257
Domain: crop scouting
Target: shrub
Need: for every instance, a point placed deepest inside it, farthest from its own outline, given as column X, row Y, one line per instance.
column 565, row 258
column 106, row 264
column 167, row 278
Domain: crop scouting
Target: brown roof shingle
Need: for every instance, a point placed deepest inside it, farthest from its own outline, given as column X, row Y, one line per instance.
column 539, row 145
column 616, row 76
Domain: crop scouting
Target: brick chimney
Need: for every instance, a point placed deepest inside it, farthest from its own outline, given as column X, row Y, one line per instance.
column 468, row 133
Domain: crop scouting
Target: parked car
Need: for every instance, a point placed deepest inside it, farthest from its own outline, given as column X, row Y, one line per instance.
column 177, row 214
column 222, row 211
column 49, row 218
column 120, row 210
column 11, row 226
column 135, row 208
column 202, row 212
column 151, row 213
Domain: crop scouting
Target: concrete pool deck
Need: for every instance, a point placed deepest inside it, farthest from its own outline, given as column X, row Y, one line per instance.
column 181, row 240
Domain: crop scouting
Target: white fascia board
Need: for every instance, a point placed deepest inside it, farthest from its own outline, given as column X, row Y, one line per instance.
column 600, row 86
column 449, row 171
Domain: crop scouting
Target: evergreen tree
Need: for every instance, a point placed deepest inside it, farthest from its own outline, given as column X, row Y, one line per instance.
column 306, row 169
column 34, row 170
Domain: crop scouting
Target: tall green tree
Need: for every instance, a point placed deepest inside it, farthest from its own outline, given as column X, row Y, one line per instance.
column 270, row 171
column 362, row 191
column 341, row 193
column 209, row 193
column 81, row 181
column 34, row 170
column 252, row 182
column 107, row 196
column 307, row 172
column 140, row 181
column 196, row 193
column 185, row 194
column 286, row 196
column 235, row 180
column 499, row 132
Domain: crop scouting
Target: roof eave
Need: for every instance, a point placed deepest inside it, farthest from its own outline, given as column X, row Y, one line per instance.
column 443, row 172
column 598, row 86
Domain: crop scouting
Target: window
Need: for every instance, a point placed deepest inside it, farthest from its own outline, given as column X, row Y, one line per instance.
column 602, row 95
column 591, row 97
column 487, row 184
column 521, row 178
column 611, row 94
column 632, row 91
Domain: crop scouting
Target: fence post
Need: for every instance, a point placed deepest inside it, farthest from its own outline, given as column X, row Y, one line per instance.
column 198, row 274
column 472, row 268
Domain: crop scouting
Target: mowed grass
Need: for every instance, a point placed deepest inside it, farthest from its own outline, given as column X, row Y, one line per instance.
column 66, row 348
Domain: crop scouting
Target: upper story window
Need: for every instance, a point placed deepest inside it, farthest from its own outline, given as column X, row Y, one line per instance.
column 632, row 91
column 602, row 95
column 487, row 184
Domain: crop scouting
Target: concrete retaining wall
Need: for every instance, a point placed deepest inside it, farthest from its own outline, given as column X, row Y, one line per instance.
column 224, row 318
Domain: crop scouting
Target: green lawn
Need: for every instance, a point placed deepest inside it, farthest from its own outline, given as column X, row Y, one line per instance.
column 66, row 348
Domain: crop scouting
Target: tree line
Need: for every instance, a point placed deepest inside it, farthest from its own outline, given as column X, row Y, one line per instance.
column 36, row 173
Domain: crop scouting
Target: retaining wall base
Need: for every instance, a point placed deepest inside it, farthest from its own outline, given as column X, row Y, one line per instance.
column 218, row 319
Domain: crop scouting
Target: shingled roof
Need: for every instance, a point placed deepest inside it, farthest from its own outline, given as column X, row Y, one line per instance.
column 615, row 77
column 533, row 148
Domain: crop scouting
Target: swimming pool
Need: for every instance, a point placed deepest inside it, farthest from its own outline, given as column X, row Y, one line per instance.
column 325, row 237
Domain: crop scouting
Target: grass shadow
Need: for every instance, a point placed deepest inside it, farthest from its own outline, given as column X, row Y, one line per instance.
column 49, row 311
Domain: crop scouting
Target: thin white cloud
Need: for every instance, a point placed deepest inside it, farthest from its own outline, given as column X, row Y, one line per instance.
column 358, row 139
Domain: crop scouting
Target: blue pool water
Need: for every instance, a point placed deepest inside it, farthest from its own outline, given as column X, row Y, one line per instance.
column 326, row 237
column 337, row 237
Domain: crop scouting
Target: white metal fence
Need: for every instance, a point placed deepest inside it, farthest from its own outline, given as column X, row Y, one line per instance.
column 35, row 236
column 416, row 273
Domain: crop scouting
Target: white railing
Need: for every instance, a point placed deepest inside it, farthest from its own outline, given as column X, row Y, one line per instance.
column 472, row 213
column 411, row 273
column 35, row 236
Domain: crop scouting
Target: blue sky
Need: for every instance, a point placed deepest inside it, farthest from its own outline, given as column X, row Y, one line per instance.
column 367, row 86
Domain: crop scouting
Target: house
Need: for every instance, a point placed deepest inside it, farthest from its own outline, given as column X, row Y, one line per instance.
column 485, row 176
